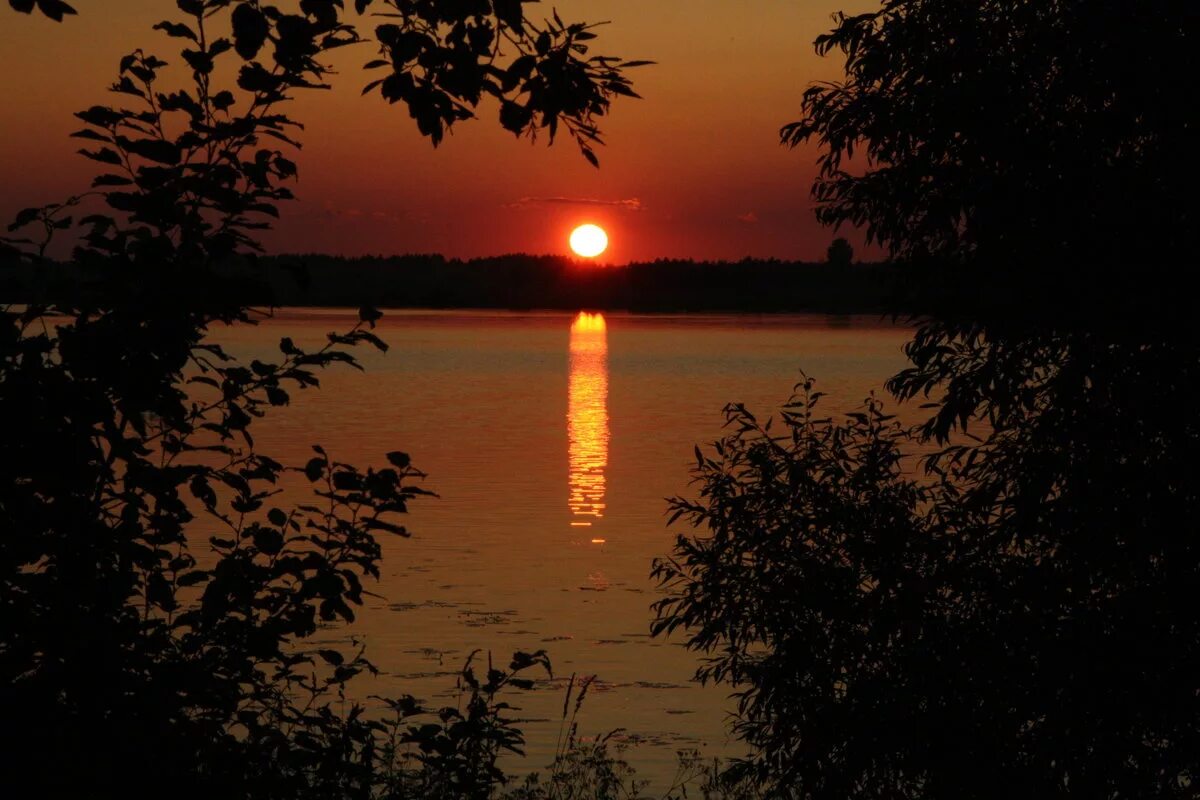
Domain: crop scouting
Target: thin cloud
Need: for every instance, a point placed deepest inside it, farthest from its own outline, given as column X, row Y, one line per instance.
column 332, row 212
column 631, row 204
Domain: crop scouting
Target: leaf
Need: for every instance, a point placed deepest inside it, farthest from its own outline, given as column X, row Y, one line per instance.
column 268, row 540
column 105, row 155
column 100, row 116
column 254, row 78
column 515, row 117
column 199, row 61
column 24, row 217
column 159, row 591
column 314, row 470
column 54, row 9
column 376, row 524
column 177, row 30
column 510, row 13
column 332, row 657
column 347, row 481
column 87, row 133
column 157, row 150
column 250, row 29
column 193, row 578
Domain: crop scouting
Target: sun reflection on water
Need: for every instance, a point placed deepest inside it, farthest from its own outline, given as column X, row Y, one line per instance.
column 587, row 419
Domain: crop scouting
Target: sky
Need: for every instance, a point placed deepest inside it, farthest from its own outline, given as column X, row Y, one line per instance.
column 693, row 170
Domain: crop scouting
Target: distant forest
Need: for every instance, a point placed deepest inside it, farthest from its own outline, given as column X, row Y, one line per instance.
column 514, row 282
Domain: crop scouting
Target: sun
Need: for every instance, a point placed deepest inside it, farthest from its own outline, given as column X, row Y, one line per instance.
column 589, row 240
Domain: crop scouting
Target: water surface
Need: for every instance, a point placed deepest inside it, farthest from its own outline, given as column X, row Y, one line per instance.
column 552, row 441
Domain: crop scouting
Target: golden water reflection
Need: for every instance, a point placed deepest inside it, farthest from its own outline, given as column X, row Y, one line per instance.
column 587, row 419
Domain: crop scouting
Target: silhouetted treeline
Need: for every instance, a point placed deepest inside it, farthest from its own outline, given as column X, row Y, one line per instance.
column 518, row 282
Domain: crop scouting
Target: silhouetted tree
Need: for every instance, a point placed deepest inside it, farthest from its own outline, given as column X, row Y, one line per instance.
column 840, row 253
column 1011, row 623
column 1005, row 139
column 132, row 662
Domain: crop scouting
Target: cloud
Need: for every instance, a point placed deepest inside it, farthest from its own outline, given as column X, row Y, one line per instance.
column 330, row 211
column 749, row 218
column 631, row 204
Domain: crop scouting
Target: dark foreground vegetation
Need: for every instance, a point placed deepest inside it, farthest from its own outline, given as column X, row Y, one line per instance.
column 515, row 282
column 1016, row 619
column 159, row 607
column 1008, row 620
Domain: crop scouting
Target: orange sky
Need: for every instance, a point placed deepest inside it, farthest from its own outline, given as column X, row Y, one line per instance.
column 692, row 171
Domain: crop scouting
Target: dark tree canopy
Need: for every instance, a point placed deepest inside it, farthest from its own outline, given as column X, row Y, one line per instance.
column 1040, row 147
column 840, row 253
column 1012, row 620
column 1012, row 623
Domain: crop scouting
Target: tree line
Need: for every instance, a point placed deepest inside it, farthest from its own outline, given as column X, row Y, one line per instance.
column 517, row 282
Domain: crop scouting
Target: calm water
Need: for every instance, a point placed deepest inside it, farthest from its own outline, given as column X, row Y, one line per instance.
column 552, row 440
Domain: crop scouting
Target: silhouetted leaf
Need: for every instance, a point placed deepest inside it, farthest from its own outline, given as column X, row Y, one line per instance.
column 193, row 578
column 157, row 150
column 24, row 217
column 176, row 30
column 250, row 29
column 105, row 155
column 268, row 540
column 87, row 133
column 332, row 657
column 314, row 470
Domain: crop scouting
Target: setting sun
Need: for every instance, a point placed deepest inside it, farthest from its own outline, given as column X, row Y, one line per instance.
column 589, row 240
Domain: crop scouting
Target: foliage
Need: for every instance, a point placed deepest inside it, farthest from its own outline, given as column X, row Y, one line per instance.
column 158, row 606
column 1011, row 622
column 440, row 59
column 455, row 754
column 840, row 253
column 581, row 768
column 122, row 646
column 54, row 9
column 1007, row 139
column 593, row 768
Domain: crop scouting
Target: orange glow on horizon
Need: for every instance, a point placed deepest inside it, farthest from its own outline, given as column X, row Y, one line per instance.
column 667, row 187
column 587, row 418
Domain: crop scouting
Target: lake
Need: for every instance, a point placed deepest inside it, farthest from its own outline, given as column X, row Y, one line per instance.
column 552, row 441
